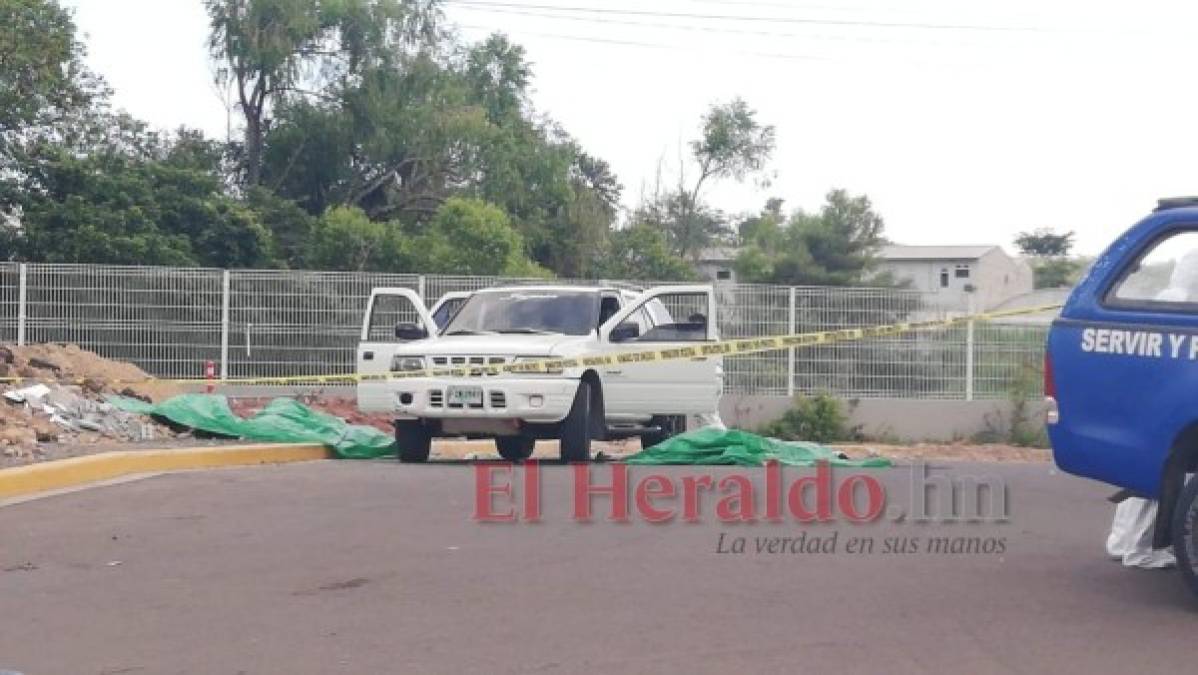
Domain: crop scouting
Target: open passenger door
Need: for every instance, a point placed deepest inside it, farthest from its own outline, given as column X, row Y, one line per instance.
column 666, row 317
column 394, row 317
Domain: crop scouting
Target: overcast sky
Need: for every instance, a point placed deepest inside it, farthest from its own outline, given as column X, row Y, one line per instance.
column 987, row 119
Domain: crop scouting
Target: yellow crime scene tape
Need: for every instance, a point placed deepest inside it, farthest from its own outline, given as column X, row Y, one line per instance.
column 736, row 347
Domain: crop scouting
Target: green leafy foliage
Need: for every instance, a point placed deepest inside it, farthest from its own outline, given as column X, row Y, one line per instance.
column 345, row 238
column 1049, row 255
column 732, row 144
column 41, row 63
column 836, row 247
column 148, row 199
column 1044, row 243
column 469, row 236
column 274, row 51
column 372, row 140
column 641, row 252
column 820, row 419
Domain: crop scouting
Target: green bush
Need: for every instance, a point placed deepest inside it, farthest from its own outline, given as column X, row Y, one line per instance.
column 819, row 418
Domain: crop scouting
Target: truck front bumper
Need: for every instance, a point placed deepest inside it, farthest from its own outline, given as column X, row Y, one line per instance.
column 539, row 400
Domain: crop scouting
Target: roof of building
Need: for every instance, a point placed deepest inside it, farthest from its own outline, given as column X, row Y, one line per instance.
column 899, row 252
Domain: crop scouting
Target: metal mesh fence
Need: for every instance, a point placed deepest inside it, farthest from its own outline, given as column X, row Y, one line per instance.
column 748, row 311
column 1008, row 358
column 9, row 296
column 912, row 365
column 168, row 321
column 283, row 323
column 300, row 323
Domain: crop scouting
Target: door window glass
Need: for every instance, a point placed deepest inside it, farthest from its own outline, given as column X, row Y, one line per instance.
column 446, row 311
column 674, row 317
column 1168, row 273
column 386, row 312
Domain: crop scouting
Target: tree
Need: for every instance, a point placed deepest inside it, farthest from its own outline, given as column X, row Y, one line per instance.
column 733, row 144
column 134, row 198
column 499, row 74
column 1044, row 243
column 641, row 252
column 469, row 236
column 1049, row 254
column 41, row 63
column 270, row 50
column 573, row 239
column 403, row 139
column 347, row 239
column 836, row 247
column 689, row 228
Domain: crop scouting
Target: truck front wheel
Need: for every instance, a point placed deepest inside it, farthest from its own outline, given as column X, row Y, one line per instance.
column 1185, row 529
column 515, row 448
column 668, row 426
column 413, row 441
column 576, row 428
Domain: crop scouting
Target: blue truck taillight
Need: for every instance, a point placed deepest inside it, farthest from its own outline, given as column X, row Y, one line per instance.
column 1050, row 383
column 1052, row 414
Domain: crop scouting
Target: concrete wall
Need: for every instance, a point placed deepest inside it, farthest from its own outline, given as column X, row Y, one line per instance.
column 900, row 419
column 999, row 277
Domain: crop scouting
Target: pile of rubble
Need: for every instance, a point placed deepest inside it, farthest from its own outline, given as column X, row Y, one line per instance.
column 60, row 398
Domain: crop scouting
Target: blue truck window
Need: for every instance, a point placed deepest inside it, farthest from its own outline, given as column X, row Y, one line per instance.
column 1166, row 274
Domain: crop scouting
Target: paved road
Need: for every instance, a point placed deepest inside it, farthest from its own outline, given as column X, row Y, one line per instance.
column 379, row 568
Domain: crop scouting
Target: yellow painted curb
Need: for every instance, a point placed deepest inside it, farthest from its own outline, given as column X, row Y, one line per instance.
column 65, row 473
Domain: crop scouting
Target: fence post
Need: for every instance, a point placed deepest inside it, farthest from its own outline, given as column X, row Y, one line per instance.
column 969, row 343
column 790, row 357
column 420, row 290
column 224, row 326
column 22, row 302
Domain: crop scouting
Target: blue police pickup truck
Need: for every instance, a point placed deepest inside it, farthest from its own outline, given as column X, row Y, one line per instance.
column 1121, row 373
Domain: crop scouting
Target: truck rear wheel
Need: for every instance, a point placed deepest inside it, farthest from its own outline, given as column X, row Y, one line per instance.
column 670, row 425
column 515, row 448
column 413, row 441
column 576, row 428
column 1185, row 531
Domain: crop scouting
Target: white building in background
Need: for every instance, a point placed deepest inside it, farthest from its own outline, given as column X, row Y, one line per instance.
column 718, row 263
column 955, row 273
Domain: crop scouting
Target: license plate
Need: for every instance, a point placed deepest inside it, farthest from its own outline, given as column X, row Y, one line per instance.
column 466, row 396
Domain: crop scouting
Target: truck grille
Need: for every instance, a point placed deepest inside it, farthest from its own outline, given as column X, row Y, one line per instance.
column 467, row 361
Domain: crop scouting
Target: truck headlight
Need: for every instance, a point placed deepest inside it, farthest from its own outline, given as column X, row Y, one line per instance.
column 407, row 364
column 533, row 359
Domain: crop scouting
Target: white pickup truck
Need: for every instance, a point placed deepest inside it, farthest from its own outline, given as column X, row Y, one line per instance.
column 508, row 325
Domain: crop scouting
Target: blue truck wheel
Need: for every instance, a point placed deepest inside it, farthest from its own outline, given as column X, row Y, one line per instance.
column 1185, row 526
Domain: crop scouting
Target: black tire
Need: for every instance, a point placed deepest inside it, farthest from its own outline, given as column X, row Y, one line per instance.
column 515, row 448
column 670, row 425
column 1185, row 534
column 413, row 441
column 576, row 428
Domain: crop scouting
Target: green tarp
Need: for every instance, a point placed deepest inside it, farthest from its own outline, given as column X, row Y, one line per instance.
column 283, row 420
column 741, row 448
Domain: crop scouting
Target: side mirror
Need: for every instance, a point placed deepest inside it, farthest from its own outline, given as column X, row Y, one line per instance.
column 410, row 332
column 625, row 332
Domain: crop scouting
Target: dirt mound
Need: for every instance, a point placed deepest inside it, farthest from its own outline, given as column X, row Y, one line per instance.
column 59, row 396
column 71, row 365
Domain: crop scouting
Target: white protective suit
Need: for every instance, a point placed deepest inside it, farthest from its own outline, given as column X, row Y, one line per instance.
column 1130, row 540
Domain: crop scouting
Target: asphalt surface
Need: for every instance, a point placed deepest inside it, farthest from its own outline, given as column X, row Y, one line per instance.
column 380, row 568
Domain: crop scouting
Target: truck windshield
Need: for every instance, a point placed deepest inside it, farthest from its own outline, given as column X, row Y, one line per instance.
column 516, row 312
